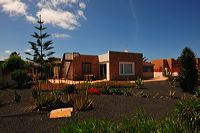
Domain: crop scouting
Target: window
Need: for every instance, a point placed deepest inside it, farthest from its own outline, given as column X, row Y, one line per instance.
column 127, row 68
column 147, row 69
column 86, row 67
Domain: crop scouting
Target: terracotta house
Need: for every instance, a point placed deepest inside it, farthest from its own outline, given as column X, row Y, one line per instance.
column 169, row 65
column 110, row 66
column 148, row 71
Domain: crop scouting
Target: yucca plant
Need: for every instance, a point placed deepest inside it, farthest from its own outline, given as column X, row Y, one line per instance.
column 172, row 94
column 83, row 103
column 139, row 83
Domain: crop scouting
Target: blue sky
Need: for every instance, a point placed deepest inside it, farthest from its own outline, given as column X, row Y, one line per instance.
column 156, row 28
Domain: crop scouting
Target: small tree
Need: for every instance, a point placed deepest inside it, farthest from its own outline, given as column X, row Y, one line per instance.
column 17, row 67
column 188, row 72
column 20, row 77
column 40, row 48
column 14, row 62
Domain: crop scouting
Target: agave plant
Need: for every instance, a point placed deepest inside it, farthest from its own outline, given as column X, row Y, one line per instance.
column 139, row 83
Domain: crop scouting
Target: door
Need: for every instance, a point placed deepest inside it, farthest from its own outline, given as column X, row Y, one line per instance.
column 103, row 71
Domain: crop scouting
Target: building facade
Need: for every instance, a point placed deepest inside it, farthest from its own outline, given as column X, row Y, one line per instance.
column 110, row 66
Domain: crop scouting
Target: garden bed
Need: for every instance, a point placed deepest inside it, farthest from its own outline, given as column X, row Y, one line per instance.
column 20, row 118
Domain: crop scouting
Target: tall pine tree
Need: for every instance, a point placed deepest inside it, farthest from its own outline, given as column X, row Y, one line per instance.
column 41, row 49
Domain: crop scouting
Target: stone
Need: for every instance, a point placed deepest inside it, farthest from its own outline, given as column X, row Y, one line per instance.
column 60, row 113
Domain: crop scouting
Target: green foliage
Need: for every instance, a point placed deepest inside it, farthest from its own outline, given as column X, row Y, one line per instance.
column 49, row 102
column 140, row 122
column 185, row 120
column 36, row 92
column 90, row 126
column 188, row 72
column 188, row 113
column 117, row 91
column 20, row 76
column 106, row 90
column 15, row 63
column 82, row 103
column 139, row 83
column 197, row 92
column 69, row 89
column 17, row 97
column 169, row 125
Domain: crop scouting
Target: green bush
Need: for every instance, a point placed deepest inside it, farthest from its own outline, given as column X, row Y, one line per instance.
column 20, row 76
column 69, row 89
column 188, row 113
column 197, row 92
column 185, row 119
column 169, row 125
column 106, row 90
column 117, row 91
column 49, row 102
column 36, row 92
column 90, row 126
column 139, row 83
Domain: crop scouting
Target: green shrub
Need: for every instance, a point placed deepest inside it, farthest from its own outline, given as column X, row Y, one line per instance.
column 20, row 76
column 57, row 92
column 128, row 92
column 90, row 126
column 106, row 90
column 169, row 125
column 117, row 91
column 139, row 83
column 49, row 102
column 82, row 103
column 69, row 89
column 36, row 93
column 17, row 97
column 197, row 92
column 188, row 113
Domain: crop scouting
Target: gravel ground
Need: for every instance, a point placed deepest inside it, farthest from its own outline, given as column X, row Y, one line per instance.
column 18, row 117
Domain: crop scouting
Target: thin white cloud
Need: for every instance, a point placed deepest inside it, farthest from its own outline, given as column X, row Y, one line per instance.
column 28, row 50
column 81, row 14
column 61, row 36
column 82, row 5
column 55, row 3
column 13, row 7
column 8, row 51
column 31, row 19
